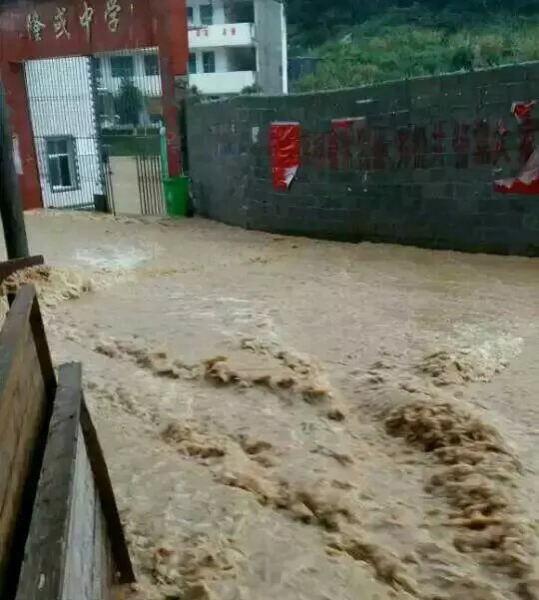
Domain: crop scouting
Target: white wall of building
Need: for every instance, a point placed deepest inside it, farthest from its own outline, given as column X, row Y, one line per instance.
column 214, row 84
column 61, row 105
column 272, row 57
column 226, row 35
column 284, row 49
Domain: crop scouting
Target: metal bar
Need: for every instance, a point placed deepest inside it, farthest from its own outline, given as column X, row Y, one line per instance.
column 97, row 129
column 154, row 196
column 145, row 183
column 141, row 199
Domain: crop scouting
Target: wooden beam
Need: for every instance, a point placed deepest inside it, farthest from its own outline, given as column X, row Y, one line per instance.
column 69, row 551
column 8, row 267
column 43, row 570
column 24, row 419
column 43, row 352
column 10, row 200
column 106, row 494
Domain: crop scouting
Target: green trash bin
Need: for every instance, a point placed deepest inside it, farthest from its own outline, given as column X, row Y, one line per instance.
column 177, row 195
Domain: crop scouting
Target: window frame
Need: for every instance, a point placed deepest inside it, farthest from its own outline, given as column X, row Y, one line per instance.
column 123, row 75
column 204, row 55
column 71, row 154
column 207, row 20
column 193, row 56
column 155, row 57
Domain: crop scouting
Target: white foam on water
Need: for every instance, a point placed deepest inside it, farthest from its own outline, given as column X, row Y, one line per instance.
column 494, row 350
column 114, row 257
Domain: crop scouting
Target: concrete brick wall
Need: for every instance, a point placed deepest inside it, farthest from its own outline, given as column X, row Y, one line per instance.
column 419, row 170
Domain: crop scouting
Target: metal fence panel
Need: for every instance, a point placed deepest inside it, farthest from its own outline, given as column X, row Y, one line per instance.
column 62, row 109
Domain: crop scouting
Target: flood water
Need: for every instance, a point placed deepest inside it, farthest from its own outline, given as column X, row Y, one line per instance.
column 303, row 419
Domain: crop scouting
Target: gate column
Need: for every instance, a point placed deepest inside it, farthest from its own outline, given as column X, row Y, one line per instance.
column 12, row 74
column 171, row 31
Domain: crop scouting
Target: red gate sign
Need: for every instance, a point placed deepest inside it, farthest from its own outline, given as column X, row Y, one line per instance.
column 285, row 154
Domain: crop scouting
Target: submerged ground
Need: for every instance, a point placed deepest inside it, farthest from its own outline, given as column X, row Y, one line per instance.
column 303, row 419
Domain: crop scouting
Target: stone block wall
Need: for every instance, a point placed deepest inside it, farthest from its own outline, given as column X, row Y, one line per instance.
column 415, row 164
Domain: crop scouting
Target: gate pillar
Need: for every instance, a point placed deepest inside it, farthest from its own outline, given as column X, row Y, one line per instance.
column 171, row 17
column 12, row 75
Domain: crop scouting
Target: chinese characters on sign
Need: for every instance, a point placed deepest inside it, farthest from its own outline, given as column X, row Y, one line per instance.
column 35, row 26
column 456, row 144
column 112, row 15
column 60, row 23
column 87, row 17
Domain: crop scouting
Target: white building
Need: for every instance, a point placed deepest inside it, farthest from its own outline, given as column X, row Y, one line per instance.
column 234, row 45
column 237, row 44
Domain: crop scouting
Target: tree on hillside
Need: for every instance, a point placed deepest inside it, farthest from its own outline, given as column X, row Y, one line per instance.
column 316, row 19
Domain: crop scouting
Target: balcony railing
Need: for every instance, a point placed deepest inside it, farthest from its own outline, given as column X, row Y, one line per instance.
column 228, row 34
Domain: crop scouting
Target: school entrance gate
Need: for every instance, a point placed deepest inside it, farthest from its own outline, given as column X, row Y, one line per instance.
column 91, row 88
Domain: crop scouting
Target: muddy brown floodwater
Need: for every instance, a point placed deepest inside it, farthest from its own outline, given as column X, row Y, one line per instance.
column 296, row 419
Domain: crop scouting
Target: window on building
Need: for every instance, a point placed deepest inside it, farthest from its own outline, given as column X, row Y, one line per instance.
column 208, row 62
column 242, row 59
column 206, row 14
column 192, row 63
column 61, row 160
column 122, row 66
column 240, row 12
column 151, row 64
column 190, row 16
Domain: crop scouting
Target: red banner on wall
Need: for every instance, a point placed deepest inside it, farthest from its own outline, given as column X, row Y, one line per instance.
column 528, row 181
column 285, row 153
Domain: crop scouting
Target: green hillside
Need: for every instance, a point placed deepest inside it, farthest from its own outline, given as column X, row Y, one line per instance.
column 400, row 42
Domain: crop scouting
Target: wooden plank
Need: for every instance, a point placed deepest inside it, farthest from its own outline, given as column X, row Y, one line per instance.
column 43, row 352
column 100, row 545
column 108, row 501
column 104, row 575
column 78, row 575
column 24, row 416
column 43, row 569
column 8, row 267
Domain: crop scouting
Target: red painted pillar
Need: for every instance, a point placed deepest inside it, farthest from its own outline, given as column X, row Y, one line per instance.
column 171, row 31
column 21, row 126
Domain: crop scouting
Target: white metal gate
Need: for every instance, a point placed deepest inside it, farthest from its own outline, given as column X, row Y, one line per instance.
column 62, row 108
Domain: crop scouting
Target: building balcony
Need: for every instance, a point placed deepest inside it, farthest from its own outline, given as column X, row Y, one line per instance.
column 216, row 84
column 216, row 36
